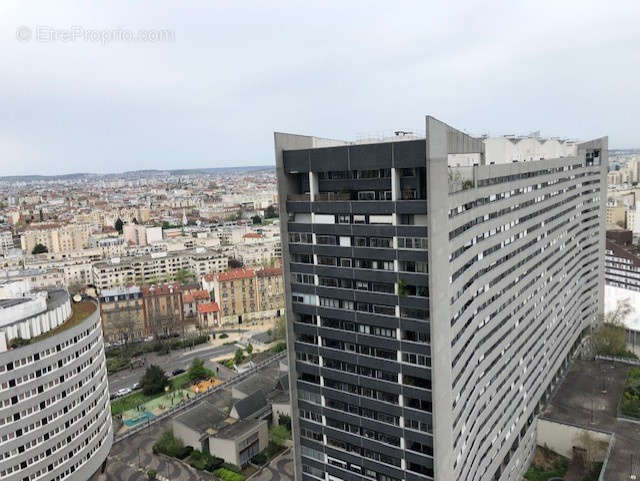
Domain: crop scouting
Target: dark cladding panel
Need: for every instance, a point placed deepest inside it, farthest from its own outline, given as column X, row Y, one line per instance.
column 296, row 160
column 410, row 153
column 370, row 156
column 331, row 158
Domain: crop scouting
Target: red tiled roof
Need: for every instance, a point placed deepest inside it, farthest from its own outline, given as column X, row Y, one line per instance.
column 269, row 271
column 253, row 235
column 235, row 274
column 195, row 296
column 208, row 307
column 161, row 289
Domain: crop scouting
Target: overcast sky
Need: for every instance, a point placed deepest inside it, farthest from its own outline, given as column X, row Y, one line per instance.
column 237, row 71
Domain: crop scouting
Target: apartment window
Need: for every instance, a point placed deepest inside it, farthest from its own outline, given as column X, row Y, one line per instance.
column 344, row 219
column 327, row 261
column 412, row 242
column 345, row 262
column 366, row 195
column 385, row 242
column 301, row 237
column 326, row 239
column 359, row 219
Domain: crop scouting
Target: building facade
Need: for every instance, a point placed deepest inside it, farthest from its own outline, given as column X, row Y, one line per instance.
column 247, row 295
column 55, row 418
column 56, row 238
column 122, row 313
column 435, row 291
column 163, row 309
column 622, row 267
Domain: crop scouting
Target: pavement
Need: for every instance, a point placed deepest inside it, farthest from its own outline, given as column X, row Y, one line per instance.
column 280, row 469
column 580, row 400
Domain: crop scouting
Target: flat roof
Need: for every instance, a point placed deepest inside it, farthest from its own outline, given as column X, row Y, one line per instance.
column 202, row 417
column 238, row 429
column 580, row 401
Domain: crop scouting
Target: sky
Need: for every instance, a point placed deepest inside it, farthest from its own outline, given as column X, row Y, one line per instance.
column 77, row 94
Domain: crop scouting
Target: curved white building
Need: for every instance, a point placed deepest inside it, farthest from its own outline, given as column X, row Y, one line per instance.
column 55, row 420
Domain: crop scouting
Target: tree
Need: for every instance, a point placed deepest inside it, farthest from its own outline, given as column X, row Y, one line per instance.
column 154, row 380
column 610, row 337
column 197, row 370
column 270, row 212
column 39, row 249
column 238, row 357
column 166, row 225
column 249, row 350
column 118, row 225
column 183, row 275
column 280, row 329
column 256, row 219
column 235, row 263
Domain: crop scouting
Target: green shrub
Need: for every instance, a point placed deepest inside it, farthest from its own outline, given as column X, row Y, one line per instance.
column 259, row 459
column 224, row 335
column 284, row 420
column 231, row 467
column 169, row 444
column 227, row 475
column 279, row 434
column 151, row 474
column 202, row 461
column 281, row 346
column 115, row 364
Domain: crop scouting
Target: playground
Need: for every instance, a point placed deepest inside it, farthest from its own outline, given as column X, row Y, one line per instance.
column 155, row 407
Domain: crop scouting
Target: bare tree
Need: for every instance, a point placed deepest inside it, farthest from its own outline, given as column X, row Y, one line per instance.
column 610, row 337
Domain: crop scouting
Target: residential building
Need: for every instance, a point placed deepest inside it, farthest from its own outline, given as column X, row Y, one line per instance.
column 122, row 313
column 436, row 291
column 235, row 293
column 6, row 241
column 208, row 313
column 191, row 301
column 155, row 267
column 56, row 238
column 270, row 290
column 54, row 396
column 247, row 295
column 163, row 309
column 141, row 235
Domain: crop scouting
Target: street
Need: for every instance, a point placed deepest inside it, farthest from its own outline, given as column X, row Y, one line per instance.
column 175, row 360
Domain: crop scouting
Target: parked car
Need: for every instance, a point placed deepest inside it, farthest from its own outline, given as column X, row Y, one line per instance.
column 177, row 371
column 135, row 386
column 123, row 392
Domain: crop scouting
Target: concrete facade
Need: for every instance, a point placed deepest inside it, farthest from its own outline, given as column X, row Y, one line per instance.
column 433, row 304
column 55, row 419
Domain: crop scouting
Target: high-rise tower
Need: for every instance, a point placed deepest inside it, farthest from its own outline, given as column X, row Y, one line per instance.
column 436, row 289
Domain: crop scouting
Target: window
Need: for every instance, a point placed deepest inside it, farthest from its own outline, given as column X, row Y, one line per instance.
column 344, row 219
column 366, row 195
column 359, row 219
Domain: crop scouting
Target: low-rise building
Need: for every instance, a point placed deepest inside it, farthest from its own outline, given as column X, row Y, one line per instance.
column 191, row 301
column 208, row 315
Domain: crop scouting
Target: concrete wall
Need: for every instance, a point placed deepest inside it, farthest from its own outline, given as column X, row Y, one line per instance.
column 561, row 438
column 189, row 436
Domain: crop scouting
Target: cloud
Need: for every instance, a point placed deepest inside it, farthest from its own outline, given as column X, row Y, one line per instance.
column 237, row 72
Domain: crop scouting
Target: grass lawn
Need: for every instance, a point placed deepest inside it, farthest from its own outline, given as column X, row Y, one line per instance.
column 178, row 383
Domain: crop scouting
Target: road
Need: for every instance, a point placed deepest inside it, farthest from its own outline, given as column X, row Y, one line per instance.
column 175, row 360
